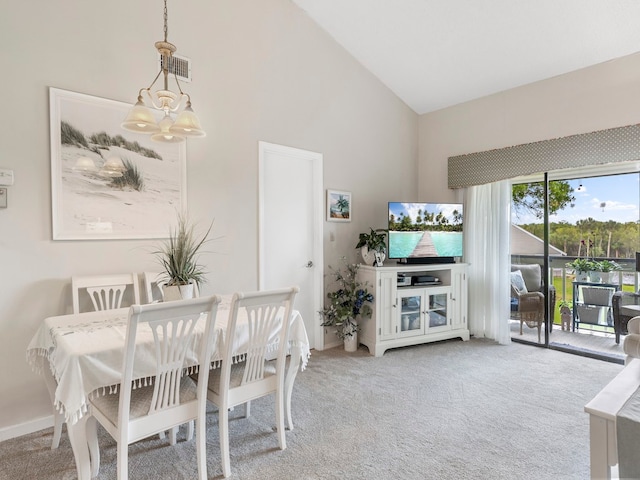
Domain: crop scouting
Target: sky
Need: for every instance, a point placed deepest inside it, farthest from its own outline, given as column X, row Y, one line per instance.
column 615, row 197
column 412, row 209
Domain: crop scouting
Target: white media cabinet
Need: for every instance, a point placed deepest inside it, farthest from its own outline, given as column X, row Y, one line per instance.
column 416, row 309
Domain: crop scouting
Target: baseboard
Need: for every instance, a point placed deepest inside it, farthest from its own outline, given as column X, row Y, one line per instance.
column 26, row 428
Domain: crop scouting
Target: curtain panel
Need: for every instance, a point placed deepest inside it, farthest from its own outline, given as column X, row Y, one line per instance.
column 487, row 218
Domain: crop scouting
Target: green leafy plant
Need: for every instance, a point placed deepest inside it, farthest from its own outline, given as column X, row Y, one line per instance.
column 376, row 240
column 607, row 266
column 582, row 265
column 350, row 300
column 179, row 254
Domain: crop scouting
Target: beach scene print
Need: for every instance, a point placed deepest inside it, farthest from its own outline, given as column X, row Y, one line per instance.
column 425, row 230
column 110, row 183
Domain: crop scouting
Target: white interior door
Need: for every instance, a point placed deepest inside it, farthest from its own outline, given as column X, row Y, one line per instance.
column 290, row 216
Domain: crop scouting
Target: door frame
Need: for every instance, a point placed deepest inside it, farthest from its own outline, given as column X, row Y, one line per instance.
column 264, row 148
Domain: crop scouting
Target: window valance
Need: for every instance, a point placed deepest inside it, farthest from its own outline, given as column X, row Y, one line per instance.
column 620, row 144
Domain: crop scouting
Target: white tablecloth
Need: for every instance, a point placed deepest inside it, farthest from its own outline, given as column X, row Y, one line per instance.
column 84, row 352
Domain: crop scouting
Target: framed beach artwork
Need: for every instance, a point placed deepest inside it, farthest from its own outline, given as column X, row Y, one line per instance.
column 338, row 206
column 107, row 182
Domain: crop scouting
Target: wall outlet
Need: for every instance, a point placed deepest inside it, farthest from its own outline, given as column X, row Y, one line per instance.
column 3, row 198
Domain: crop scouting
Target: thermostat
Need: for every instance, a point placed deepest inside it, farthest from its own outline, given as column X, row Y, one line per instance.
column 6, row 177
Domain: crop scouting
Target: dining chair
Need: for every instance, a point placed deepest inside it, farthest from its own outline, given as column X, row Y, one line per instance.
column 172, row 397
column 106, row 293
column 239, row 380
column 153, row 286
column 153, row 283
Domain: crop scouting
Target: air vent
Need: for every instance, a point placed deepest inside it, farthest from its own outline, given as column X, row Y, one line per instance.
column 180, row 66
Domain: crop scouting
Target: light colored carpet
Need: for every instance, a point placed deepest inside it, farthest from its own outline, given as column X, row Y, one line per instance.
column 448, row 410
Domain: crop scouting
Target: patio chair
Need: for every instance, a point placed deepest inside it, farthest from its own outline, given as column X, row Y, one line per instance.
column 527, row 297
column 626, row 305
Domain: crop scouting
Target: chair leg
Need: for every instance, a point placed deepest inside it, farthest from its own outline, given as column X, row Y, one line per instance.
column 173, row 435
column 190, row 431
column 520, row 325
column 247, row 409
column 94, row 448
column 123, row 461
column 223, row 426
column 282, row 441
column 201, row 444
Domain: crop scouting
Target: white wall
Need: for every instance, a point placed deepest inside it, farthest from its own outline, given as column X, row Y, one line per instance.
column 262, row 71
column 595, row 98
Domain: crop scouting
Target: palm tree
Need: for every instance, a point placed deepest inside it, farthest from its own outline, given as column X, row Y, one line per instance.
column 342, row 204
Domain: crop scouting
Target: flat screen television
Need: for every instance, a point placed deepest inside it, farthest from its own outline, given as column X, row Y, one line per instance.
column 425, row 232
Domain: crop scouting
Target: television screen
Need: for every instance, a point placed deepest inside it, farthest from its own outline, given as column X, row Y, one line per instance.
column 425, row 230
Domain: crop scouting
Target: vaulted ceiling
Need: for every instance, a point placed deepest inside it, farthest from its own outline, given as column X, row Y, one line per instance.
column 438, row 53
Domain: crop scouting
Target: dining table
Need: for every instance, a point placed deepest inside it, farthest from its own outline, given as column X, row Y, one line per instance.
column 80, row 356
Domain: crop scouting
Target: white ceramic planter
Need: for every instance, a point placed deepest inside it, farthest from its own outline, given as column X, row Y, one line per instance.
column 177, row 292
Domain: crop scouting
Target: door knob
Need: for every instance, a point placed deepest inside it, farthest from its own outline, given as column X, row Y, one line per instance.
column 309, row 264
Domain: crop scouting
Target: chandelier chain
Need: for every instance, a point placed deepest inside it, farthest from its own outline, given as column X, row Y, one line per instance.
column 166, row 28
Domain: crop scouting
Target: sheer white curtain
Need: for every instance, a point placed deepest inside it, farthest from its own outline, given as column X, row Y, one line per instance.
column 487, row 220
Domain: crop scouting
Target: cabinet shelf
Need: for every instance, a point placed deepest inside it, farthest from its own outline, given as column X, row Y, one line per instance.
column 592, row 304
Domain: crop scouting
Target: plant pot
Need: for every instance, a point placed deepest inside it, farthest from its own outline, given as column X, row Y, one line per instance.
column 595, row 277
column 582, row 277
column 607, row 277
column 351, row 342
column 368, row 256
column 177, row 292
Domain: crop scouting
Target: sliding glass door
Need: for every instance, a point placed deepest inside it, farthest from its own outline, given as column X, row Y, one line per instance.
column 593, row 231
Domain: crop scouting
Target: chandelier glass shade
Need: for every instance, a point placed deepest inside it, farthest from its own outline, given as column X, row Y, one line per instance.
column 142, row 119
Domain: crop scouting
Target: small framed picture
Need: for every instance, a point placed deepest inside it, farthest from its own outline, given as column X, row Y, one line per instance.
column 338, row 206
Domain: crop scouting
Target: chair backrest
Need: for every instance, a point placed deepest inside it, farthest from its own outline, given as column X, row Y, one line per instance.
column 106, row 291
column 173, row 326
column 264, row 310
column 153, row 286
column 153, row 283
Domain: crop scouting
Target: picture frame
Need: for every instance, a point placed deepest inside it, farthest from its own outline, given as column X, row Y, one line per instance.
column 339, row 206
column 107, row 182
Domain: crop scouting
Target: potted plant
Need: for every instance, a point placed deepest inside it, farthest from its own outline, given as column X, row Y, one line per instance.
column 607, row 267
column 581, row 267
column 178, row 256
column 373, row 246
column 350, row 300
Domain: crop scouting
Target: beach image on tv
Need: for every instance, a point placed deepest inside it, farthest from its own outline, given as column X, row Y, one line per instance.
column 425, row 230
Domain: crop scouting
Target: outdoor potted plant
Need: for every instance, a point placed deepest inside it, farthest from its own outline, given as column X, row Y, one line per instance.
column 373, row 246
column 581, row 267
column 346, row 304
column 607, row 267
column 178, row 256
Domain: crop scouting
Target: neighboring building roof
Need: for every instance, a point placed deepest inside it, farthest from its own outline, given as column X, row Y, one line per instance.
column 525, row 243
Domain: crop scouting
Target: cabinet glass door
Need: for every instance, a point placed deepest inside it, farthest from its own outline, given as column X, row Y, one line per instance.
column 411, row 313
column 437, row 311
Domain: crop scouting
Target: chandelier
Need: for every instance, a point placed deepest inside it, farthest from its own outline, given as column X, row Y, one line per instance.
column 141, row 119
